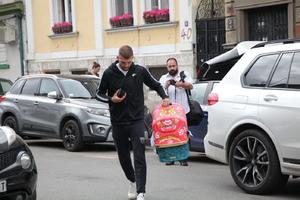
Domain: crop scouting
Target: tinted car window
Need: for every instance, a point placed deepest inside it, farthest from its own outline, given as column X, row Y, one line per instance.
column 4, row 86
column 281, row 74
column 198, row 92
column 47, row 85
column 258, row 74
column 294, row 79
column 17, row 87
column 31, row 86
column 74, row 89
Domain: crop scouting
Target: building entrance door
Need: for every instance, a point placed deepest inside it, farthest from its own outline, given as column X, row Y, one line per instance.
column 210, row 29
column 268, row 23
column 210, row 38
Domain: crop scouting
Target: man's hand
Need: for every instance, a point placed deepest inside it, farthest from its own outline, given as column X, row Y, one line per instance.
column 116, row 99
column 167, row 84
column 165, row 102
column 179, row 84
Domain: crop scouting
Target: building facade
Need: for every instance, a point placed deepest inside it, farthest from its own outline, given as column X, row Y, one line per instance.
column 221, row 24
column 12, row 34
column 261, row 20
column 99, row 27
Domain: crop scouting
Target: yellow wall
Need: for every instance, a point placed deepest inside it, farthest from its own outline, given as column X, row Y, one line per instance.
column 143, row 37
column 84, row 11
column 42, row 28
column 85, row 24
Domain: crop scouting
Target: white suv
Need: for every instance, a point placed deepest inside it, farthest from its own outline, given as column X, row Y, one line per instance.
column 254, row 118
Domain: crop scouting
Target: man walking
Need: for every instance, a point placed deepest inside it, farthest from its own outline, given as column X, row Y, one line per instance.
column 176, row 88
column 122, row 87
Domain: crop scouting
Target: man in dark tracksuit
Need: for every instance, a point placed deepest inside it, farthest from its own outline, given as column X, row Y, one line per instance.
column 122, row 87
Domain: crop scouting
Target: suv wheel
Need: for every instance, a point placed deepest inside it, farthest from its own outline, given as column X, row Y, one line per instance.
column 71, row 136
column 254, row 164
column 11, row 122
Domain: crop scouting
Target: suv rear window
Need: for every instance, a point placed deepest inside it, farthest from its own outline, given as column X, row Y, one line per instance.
column 259, row 72
column 281, row 74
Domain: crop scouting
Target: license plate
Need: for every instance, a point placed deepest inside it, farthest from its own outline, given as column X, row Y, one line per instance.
column 3, row 186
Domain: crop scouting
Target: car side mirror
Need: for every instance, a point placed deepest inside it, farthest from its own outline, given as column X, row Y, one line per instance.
column 54, row 95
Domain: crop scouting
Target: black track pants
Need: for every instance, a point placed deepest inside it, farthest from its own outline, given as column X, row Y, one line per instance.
column 121, row 135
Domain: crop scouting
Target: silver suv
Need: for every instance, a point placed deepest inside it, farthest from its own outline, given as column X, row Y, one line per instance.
column 58, row 107
column 254, row 115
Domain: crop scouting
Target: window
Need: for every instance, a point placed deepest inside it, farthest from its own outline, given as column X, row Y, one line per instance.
column 52, row 71
column 79, row 71
column 280, row 77
column 62, row 16
column 47, row 86
column 120, row 7
column 294, row 79
column 198, row 92
column 4, row 87
column 17, row 87
column 31, row 86
column 62, row 10
column 259, row 73
column 156, row 4
column 157, row 72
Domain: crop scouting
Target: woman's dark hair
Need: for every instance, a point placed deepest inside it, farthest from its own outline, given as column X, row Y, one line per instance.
column 95, row 65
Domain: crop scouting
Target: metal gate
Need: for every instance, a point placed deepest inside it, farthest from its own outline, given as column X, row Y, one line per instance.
column 268, row 23
column 210, row 38
column 210, row 29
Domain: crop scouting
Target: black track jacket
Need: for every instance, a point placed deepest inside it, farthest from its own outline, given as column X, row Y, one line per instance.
column 131, row 109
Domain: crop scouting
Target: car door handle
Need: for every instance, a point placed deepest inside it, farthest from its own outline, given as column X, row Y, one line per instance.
column 269, row 98
column 16, row 101
column 36, row 103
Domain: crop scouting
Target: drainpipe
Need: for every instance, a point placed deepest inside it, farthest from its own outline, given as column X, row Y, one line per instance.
column 20, row 39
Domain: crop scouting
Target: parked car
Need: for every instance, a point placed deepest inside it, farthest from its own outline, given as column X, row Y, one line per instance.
column 18, row 172
column 212, row 72
column 200, row 92
column 254, row 117
column 5, row 85
column 51, row 106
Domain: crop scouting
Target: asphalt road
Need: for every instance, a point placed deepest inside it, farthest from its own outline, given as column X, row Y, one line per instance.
column 95, row 174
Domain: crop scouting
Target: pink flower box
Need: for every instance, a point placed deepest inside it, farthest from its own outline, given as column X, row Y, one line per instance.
column 62, row 27
column 121, row 21
column 155, row 16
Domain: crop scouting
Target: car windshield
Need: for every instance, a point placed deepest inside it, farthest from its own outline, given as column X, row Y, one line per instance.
column 74, row 89
column 91, row 85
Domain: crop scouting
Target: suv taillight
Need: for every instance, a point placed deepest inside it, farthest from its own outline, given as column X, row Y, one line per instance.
column 213, row 98
column 2, row 98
